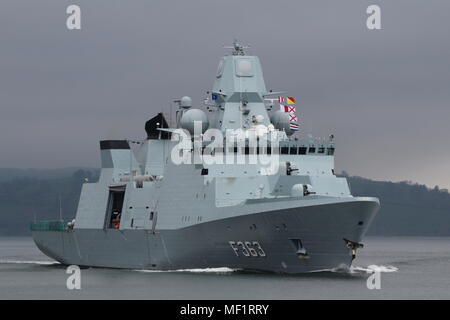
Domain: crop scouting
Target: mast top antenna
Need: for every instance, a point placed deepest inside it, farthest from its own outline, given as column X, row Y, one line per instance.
column 238, row 49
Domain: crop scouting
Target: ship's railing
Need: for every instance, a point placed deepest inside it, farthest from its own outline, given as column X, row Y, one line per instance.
column 56, row 225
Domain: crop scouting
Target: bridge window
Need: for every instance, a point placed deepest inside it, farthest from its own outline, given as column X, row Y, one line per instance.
column 293, row 150
column 321, row 150
column 264, row 150
column 220, row 68
column 284, row 150
column 312, row 150
column 302, row 150
column 208, row 151
column 330, row 151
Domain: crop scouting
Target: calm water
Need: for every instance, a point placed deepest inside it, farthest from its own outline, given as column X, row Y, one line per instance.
column 412, row 268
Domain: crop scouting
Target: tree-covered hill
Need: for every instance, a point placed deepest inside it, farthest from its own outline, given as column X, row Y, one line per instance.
column 406, row 208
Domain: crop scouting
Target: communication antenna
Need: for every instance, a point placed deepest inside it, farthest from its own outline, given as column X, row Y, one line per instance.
column 131, row 175
column 170, row 116
column 238, row 49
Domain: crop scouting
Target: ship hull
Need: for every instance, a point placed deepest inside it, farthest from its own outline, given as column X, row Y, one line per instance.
column 293, row 240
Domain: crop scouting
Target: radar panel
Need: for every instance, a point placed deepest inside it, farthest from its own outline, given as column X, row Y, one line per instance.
column 152, row 126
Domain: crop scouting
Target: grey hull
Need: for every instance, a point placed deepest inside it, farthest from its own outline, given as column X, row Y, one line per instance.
column 321, row 229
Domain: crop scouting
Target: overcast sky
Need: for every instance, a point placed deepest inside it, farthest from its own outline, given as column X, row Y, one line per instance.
column 384, row 94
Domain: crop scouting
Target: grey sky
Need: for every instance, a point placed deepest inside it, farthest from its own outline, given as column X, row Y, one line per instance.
column 384, row 94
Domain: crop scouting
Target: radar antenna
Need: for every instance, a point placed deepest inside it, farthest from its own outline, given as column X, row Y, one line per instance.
column 238, row 49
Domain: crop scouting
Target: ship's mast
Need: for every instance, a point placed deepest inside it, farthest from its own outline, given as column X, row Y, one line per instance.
column 238, row 50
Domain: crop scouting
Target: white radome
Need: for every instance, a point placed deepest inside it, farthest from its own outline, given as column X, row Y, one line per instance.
column 194, row 117
column 280, row 121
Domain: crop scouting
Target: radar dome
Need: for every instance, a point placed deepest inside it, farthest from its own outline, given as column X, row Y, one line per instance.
column 259, row 118
column 190, row 117
column 280, row 121
column 186, row 102
column 297, row 190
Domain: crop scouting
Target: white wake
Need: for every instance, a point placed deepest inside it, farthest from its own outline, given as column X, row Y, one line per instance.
column 358, row 269
column 374, row 268
column 204, row 270
column 11, row 261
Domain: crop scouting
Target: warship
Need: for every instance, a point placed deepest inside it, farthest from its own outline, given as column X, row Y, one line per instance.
column 230, row 184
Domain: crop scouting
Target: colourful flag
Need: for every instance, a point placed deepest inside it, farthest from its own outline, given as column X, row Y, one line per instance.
column 290, row 100
column 290, row 109
column 286, row 105
column 293, row 117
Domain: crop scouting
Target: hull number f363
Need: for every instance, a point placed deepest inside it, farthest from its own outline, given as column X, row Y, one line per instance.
column 247, row 249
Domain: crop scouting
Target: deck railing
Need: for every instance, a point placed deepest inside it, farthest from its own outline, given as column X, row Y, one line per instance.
column 56, row 225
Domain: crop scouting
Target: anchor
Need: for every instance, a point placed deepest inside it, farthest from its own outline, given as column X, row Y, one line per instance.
column 302, row 253
column 353, row 246
column 299, row 249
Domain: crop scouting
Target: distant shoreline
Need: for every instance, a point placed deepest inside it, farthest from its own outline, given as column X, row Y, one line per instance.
column 407, row 209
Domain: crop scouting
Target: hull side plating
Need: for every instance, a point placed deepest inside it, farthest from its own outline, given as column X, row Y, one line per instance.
column 208, row 244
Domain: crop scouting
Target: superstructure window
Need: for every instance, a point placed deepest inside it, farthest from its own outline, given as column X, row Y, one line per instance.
column 302, row 150
column 264, row 150
column 284, row 150
column 220, row 68
column 312, row 150
column 330, row 151
column 208, row 151
column 321, row 150
column 293, row 150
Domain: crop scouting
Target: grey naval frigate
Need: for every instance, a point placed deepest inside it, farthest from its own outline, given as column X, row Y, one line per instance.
column 228, row 184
